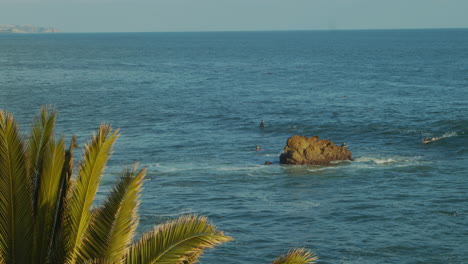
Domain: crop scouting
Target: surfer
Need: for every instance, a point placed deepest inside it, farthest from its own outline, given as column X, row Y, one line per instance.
column 257, row 148
column 344, row 145
column 262, row 124
column 430, row 139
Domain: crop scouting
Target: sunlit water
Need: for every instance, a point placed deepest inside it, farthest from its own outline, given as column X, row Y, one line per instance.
column 189, row 105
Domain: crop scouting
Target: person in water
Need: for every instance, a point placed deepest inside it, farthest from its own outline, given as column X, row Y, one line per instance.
column 257, row 148
column 344, row 145
column 262, row 124
column 430, row 139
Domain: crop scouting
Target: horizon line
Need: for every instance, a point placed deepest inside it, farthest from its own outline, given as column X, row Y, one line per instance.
column 258, row 30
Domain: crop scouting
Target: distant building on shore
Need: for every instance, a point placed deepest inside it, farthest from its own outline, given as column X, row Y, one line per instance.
column 26, row 29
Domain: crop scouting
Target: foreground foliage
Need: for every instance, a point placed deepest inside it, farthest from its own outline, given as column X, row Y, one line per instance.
column 47, row 213
column 297, row 256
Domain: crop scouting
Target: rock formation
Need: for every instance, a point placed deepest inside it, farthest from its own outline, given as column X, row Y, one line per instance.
column 300, row 150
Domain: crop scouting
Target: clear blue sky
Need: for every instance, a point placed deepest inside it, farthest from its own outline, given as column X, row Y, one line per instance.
column 227, row 15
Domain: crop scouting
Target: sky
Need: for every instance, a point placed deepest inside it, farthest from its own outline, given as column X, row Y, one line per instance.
column 233, row 15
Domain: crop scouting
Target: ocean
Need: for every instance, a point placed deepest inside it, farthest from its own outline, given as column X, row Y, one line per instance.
column 189, row 107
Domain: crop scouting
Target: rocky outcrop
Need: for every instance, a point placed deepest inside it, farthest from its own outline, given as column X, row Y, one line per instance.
column 300, row 150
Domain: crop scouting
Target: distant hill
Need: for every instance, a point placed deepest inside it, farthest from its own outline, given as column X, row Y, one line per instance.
column 26, row 29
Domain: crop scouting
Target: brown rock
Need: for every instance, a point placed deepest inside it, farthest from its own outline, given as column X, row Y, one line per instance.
column 300, row 150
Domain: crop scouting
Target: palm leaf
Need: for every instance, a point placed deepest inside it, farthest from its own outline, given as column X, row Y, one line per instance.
column 45, row 214
column 297, row 256
column 114, row 223
column 41, row 133
column 15, row 195
column 98, row 261
column 57, row 249
column 39, row 140
column 48, row 199
column 175, row 242
column 78, row 215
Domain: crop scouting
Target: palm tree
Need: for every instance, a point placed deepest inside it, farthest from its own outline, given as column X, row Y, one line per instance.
column 47, row 213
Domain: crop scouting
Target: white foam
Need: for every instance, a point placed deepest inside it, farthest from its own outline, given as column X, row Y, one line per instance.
column 445, row 135
column 167, row 168
column 321, row 168
column 449, row 134
column 181, row 167
column 384, row 161
column 378, row 160
column 234, row 168
column 399, row 161
column 270, row 155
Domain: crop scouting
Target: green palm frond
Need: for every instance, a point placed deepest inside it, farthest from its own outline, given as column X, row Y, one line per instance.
column 42, row 130
column 41, row 146
column 48, row 199
column 114, row 223
column 98, row 261
column 56, row 252
column 176, row 241
column 193, row 257
column 15, row 195
column 297, row 256
column 78, row 215
column 45, row 209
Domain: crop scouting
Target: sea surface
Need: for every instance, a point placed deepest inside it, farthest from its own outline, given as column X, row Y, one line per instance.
column 189, row 107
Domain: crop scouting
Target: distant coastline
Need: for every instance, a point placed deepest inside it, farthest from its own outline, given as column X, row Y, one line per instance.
column 27, row 29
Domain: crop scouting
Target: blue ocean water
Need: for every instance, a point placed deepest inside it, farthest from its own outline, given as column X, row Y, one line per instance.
column 189, row 105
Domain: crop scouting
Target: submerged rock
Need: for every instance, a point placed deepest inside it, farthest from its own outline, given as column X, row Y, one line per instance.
column 300, row 150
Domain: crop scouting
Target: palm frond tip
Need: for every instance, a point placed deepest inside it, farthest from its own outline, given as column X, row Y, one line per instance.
column 177, row 241
column 297, row 256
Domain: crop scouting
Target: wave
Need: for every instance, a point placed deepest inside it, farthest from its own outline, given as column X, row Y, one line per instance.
column 366, row 162
column 321, row 168
column 270, row 154
column 398, row 161
column 181, row 167
column 234, row 168
column 445, row 135
column 449, row 134
column 170, row 168
column 379, row 161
